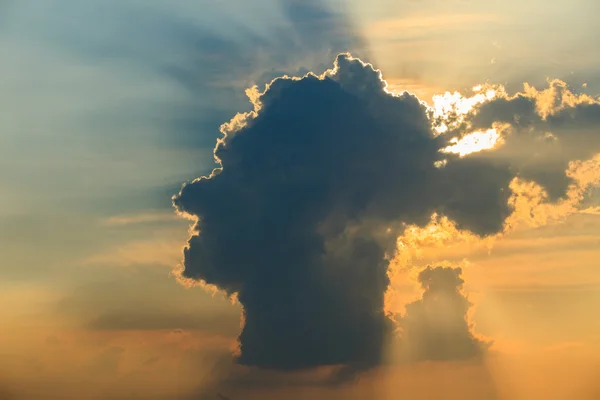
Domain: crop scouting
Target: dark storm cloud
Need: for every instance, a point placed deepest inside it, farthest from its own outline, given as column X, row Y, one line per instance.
column 310, row 198
column 551, row 128
column 435, row 327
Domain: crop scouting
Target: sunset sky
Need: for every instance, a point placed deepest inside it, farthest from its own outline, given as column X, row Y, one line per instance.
column 411, row 212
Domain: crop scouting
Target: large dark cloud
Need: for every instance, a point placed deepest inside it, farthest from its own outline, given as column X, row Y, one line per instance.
column 310, row 198
column 436, row 327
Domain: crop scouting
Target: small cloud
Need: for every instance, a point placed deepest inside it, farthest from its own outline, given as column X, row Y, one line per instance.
column 440, row 163
column 549, row 137
column 144, row 252
column 436, row 326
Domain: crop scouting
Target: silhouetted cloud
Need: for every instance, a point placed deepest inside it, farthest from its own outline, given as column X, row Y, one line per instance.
column 435, row 327
column 313, row 189
column 550, row 128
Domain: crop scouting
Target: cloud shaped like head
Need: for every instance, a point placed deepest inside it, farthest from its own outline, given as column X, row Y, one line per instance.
column 313, row 189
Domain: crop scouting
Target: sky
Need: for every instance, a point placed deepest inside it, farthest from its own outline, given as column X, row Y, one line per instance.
column 318, row 199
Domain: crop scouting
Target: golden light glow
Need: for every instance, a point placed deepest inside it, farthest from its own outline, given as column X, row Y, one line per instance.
column 529, row 200
column 437, row 242
column 474, row 142
column 418, row 24
column 450, row 109
column 591, row 211
column 555, row 97
column 177, row 273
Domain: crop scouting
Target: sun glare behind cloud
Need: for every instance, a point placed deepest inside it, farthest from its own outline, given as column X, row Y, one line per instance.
column 474, row 142
column 449, row 109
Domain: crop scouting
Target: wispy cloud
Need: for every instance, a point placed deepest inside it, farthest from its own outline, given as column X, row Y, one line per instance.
column 145, row 252
column 142, row 218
